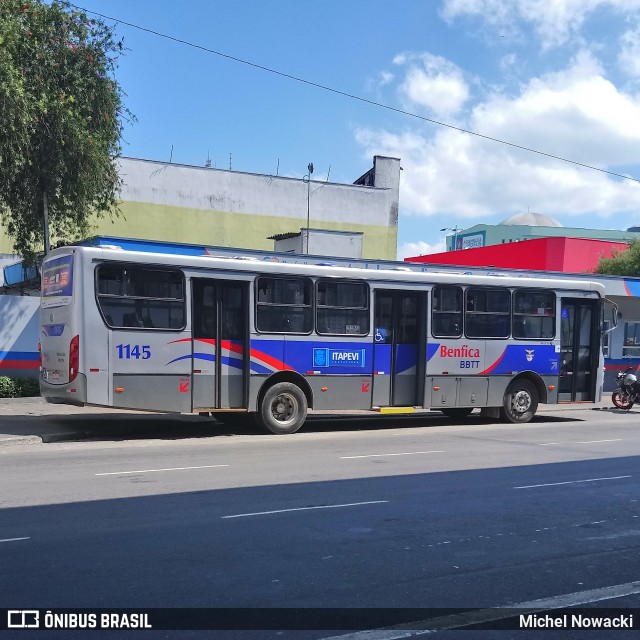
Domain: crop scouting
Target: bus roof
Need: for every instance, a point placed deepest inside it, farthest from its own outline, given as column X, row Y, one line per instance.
column 399, row 275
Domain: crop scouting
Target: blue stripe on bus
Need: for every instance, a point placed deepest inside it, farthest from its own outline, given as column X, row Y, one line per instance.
column 236, row 363
column 197, row 356
column 541, row 358
column 232, row 362
column 406, row 357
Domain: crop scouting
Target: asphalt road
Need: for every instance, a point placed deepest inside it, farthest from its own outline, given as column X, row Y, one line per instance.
column 475, row 515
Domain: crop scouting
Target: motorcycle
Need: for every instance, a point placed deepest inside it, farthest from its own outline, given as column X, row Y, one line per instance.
column 628, row 392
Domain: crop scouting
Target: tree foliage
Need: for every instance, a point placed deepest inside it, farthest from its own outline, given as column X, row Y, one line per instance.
column 622, row 263
column 61, row 113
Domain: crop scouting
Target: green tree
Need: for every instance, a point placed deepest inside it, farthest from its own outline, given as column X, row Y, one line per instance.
column 61, row 113
column 622, row 263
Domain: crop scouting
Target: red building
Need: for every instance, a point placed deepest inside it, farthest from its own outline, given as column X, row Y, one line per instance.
column 569, row 255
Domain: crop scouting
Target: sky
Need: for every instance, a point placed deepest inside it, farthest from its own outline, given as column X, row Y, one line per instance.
column 561, row 77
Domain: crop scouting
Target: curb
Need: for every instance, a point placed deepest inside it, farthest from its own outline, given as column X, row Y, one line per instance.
column 8, row 442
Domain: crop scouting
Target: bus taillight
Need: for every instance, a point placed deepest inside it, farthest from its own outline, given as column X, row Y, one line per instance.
column 74, row 357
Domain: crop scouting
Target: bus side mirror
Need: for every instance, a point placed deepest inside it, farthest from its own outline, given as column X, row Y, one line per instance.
column 611, row 310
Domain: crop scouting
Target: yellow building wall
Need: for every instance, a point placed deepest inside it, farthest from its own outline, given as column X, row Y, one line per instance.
column 221, row 228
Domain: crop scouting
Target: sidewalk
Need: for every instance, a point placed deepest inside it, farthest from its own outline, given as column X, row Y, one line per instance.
column 34, row 421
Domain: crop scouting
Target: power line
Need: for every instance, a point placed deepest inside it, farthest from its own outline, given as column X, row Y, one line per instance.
column 352, row 96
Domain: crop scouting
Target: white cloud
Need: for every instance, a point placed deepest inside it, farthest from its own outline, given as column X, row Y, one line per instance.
column 555, row 21
column 432, row 82
column 576, row 113
column 411, row 249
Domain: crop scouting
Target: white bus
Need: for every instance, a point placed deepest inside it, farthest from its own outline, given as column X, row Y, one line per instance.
column 269, row 341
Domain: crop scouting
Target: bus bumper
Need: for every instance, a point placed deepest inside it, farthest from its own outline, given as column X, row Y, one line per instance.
column 71, row 393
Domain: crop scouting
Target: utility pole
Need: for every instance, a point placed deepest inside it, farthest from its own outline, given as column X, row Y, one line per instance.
column 308, row 177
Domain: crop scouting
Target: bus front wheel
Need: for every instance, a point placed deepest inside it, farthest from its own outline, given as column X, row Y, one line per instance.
column 283, row 408
column 520, row 402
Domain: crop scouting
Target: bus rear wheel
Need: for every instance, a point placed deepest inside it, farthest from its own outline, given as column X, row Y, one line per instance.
column 520, row 402
column 283, row 408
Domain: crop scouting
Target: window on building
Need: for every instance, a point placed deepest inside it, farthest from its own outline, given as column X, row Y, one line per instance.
column 140, row 297
column 606, row 325
column 631, row 347
column 283, row 305
column 342, row 307
column 487, row 313
column 534, row 314
column 446, row 312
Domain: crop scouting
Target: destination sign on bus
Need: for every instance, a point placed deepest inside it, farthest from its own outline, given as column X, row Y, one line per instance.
column 57, row 282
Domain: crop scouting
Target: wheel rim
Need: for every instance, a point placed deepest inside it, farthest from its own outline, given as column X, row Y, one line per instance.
column 520, row 402
column 284, row 408
column 623, row 400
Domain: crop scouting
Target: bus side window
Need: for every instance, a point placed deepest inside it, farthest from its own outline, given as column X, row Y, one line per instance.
column 138, row 297
column 446, row 312
column 283, row 305
column 533, row 314
column 342, row 307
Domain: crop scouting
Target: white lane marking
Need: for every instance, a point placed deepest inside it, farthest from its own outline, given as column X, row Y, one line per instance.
column 322, row 506
column 384, row 455
column 548, row 444
column 457, row 621
column 556, row 484
column 15, row 539
column 120, row 473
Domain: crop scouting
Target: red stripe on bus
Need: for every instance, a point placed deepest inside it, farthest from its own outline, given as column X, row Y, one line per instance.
column 495, row 364
column 226, row 344
column 274, row 362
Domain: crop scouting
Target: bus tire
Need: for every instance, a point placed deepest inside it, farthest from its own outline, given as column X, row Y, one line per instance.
column 283, row 408
column 457, row 413
column 520, row 402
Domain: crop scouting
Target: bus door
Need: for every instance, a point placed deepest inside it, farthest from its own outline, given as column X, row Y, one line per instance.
column 220, row 328
column 398, row 340
column 578, row 357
